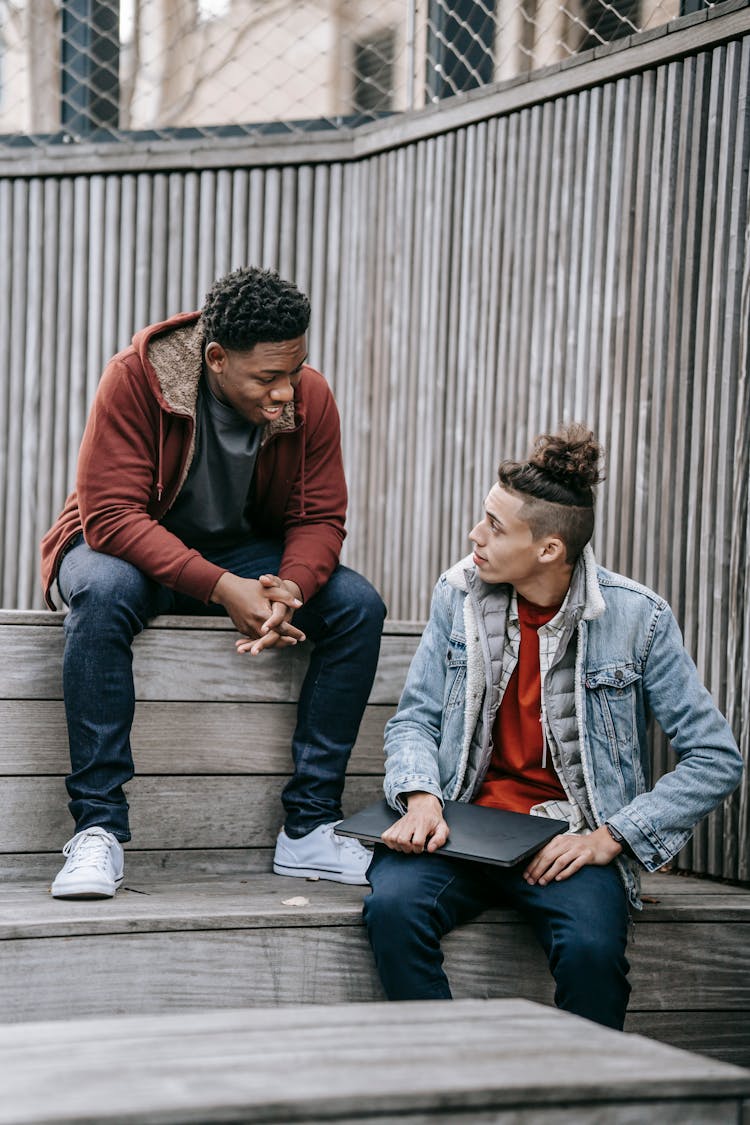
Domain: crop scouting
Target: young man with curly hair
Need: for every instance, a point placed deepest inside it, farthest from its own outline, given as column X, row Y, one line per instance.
column 530, row 692
column 210, row 479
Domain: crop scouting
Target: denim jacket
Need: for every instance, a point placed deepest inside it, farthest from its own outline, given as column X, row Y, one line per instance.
column 630, row 663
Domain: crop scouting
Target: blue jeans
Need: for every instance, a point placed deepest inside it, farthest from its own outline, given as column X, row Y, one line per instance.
column 581, row 923
column 111, row 601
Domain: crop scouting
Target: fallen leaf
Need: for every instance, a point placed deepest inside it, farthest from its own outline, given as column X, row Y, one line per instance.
column 298, row 900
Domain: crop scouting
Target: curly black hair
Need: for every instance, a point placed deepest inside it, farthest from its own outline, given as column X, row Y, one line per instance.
column 254, row 306
column 557, row 485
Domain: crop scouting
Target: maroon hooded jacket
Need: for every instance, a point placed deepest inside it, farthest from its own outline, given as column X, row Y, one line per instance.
column 137, row 448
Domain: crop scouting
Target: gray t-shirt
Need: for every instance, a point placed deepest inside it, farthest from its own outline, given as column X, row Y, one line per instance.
column 210, row 509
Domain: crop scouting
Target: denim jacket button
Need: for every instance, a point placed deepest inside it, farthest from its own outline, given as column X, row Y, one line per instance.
column 619, row 675
column 655, row 858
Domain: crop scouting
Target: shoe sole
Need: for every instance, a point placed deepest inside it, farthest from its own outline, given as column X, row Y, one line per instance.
column 317, row 873
column 87, row 893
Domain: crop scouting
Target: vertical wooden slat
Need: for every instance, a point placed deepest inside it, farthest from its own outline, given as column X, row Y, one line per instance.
column 78, row 401
column 6, row 388
column 222, row 221
column 94, row 225
column 48, row 467
column 736, row 843
column 319, row 241
column 158, row 307
column 192, row 291
column 18, row 255
column 255, row 226
column 142, row 265
column 108, row 338
column 27, row 368
column 271, row 211
column 238, row 224
column 65, row 442
column 206, row 270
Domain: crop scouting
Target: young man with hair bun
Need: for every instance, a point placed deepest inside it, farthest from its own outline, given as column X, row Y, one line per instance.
column 210, row 480
column 531, row 691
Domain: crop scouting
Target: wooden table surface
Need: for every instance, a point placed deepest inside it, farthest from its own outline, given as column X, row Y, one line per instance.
column 412, row 1061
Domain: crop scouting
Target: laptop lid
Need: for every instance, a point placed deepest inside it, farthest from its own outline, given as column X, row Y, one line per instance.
column 477, row 833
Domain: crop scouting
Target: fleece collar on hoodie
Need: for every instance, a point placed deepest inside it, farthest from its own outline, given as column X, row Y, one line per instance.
column 584, row 584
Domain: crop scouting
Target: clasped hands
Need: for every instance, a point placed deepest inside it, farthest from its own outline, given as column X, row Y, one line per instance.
column 261, row 609
column 423, row 829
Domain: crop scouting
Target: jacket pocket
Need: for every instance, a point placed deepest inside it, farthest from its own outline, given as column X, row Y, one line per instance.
column 614, row 695
column 455, row 680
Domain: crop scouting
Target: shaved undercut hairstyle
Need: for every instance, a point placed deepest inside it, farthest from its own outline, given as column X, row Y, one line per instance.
column 253, row 306
column 557, row 485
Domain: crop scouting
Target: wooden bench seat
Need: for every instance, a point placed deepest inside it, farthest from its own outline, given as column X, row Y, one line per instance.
column 201, row 922
column 505, row 1062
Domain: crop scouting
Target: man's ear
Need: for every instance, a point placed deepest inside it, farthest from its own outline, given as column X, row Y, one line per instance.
column 552, row 550
column 215, row 356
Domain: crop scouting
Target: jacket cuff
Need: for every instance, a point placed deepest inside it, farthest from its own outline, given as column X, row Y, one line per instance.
column 414, row 785
column 304, row 578
column 640, row 842
column 198, row 578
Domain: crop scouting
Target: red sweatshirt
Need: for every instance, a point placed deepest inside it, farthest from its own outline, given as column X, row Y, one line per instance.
column 136, row 452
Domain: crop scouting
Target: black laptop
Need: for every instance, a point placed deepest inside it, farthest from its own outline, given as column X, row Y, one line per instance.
column 476, row 832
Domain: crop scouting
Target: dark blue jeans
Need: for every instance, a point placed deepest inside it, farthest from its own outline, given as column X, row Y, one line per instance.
column 111, row 601
column 581, row 923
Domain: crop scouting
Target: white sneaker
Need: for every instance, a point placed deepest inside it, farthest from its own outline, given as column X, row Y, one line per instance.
column 94, row 866
column 321, row 854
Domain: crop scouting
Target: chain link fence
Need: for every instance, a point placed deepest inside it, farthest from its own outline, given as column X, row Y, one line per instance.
column 94, row 69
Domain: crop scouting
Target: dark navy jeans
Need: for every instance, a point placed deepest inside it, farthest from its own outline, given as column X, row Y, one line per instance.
column 111, row 601
column 581, row 923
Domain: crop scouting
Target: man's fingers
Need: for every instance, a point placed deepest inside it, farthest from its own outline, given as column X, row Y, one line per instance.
column 277, row 622
column 278, row 614
column 268, row 640
column 439, row 837
column 559, row 859
column 415, row 836
column 277, row 591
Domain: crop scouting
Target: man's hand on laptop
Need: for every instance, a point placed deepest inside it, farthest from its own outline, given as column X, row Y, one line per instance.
column 422, row 828
column 566, row 854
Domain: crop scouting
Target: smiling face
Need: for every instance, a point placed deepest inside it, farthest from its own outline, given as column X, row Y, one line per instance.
column 259, row 382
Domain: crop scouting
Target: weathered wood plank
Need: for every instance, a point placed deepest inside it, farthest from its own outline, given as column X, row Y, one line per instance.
column 721, row 1035
column 253, row 902
column 184, row 900
column 391, row 627
column 187, row 664
column 165, row 812
column 495, row 956
column 180, row 738
column 353, row 1063
column 158, row 864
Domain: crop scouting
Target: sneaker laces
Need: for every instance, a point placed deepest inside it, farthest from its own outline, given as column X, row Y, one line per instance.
column 349, row 843
column 89, row 848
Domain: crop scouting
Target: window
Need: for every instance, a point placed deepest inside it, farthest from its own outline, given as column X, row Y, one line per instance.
column 373, row 72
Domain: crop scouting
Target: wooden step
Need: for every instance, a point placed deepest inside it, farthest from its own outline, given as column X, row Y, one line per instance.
column 211, row 740
column 163, row 945
column 471, row 1062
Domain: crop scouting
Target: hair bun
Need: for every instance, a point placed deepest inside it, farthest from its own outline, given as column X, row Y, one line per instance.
column 572, row 457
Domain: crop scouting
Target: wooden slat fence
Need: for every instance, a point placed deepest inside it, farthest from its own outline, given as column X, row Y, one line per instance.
column 547, row 256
